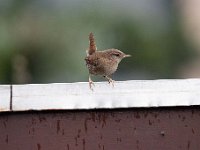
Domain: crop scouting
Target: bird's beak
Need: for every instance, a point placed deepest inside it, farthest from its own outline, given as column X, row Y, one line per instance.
column 127, row 56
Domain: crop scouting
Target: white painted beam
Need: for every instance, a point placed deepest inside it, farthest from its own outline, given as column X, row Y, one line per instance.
column 4, row 98
column 125, row 94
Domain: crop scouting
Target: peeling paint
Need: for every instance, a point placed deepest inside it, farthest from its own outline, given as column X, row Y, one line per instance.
column 58, row 126
column 38, row 146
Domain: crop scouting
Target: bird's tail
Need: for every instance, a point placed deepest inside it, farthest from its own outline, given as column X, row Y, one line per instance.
column 92, row 47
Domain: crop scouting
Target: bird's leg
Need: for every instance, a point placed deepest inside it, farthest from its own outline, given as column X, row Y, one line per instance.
column 110, row 81
column 91, row 83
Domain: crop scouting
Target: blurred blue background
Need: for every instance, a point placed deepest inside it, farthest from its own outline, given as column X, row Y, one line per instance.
column 43, row 41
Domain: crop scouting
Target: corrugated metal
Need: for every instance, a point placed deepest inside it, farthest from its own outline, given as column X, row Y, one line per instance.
column 117, row 129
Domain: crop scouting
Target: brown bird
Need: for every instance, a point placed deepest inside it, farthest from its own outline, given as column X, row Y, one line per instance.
column 102, row 63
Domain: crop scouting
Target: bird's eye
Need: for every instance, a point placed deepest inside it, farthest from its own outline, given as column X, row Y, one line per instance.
column 116, row 54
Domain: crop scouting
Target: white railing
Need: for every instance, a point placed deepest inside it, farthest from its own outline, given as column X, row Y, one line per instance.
column 125, row 94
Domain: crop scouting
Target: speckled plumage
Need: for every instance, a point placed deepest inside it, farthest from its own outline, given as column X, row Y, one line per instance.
column 96, row 63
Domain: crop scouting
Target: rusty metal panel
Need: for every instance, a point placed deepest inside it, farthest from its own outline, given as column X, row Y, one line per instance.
column 118, row 129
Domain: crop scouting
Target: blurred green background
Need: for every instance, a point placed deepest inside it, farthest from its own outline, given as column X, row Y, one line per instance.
column 43, row 41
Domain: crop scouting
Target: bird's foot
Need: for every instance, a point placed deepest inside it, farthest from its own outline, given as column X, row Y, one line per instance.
column 91, row 84
column 111, row 81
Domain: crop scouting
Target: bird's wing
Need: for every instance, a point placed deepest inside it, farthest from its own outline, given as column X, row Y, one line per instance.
column 92, row 47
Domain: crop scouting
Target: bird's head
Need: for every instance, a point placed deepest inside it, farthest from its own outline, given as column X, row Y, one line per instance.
column 117, row 54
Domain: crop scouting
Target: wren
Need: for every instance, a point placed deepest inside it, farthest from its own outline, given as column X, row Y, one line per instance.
column 104, row 62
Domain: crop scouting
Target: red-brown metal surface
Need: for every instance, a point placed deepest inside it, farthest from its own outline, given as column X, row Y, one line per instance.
column 120, row 129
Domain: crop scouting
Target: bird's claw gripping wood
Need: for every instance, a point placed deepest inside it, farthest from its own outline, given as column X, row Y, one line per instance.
column 110, row 80
column 91, row 83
